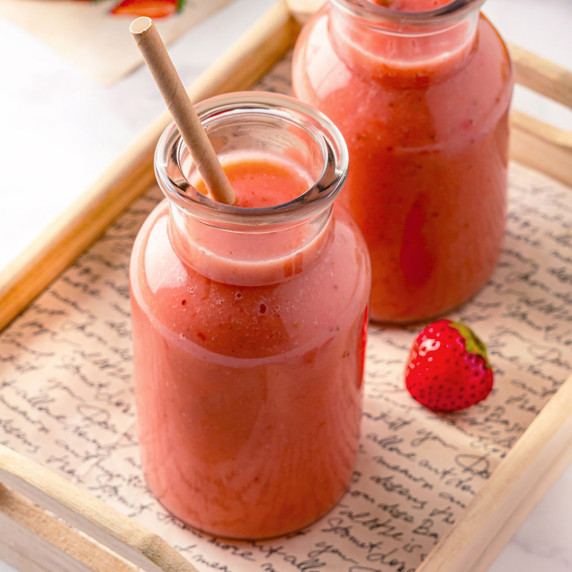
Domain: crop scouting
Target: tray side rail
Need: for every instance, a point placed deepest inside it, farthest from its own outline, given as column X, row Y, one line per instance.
column 120, row 534
column 515, row 487
column 535, row 143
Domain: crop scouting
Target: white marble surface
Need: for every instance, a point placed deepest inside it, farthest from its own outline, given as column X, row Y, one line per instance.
column 61, row 130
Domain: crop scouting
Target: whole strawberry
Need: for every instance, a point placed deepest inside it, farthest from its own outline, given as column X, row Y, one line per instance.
column 448, row 367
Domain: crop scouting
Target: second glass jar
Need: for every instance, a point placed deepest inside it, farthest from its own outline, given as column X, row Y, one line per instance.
column 422, row 98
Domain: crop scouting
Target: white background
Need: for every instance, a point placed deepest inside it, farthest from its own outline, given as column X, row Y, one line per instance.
column 61, row 129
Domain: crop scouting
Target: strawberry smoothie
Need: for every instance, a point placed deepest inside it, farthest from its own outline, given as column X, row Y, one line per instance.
column 249, row 340
column 411, row 5
column 422, row 99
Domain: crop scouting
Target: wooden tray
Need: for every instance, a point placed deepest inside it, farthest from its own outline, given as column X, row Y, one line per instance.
column 49, row 523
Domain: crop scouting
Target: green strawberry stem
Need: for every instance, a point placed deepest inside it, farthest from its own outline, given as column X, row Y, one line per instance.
column 473, row 343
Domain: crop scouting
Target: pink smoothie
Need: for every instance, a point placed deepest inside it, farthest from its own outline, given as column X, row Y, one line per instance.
column 249, row 372
column 411, row 5
column 426, row 123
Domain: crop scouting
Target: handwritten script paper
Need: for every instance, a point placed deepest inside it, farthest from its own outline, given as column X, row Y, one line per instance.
column 87, row 35
column 66, row 398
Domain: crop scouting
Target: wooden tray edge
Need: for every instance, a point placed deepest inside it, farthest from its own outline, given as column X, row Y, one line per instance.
column 515, row 487
column 102, row 525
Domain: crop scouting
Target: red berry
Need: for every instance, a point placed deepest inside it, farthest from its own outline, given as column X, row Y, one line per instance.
column 448, row 367
column 152, row 8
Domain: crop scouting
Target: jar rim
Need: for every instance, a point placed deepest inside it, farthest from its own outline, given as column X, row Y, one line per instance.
column 446, row 14
column 321, row 194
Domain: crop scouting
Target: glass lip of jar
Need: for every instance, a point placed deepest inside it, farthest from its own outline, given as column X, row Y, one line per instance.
column 316, row 199
column 374, row 13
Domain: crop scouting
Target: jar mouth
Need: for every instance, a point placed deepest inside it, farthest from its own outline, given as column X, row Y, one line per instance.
column 270, row 115
column 375, row 13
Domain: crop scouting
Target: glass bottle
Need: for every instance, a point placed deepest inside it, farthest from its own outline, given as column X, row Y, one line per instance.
column 249, row 328
column 421, row 91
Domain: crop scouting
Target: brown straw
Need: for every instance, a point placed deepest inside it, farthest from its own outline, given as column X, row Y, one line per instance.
column 181, row 108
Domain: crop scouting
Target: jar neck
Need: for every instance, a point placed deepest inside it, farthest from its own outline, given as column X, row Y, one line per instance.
column 258, row 255
column 294, row 144
column 404, row 48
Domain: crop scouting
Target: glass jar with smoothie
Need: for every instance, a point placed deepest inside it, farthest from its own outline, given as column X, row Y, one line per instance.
column 421, row 91
column 249, row 323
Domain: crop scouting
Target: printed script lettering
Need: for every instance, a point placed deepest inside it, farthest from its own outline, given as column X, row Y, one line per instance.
column 66, row 400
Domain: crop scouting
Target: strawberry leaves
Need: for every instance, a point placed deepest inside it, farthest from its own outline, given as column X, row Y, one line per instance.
column 154, row 9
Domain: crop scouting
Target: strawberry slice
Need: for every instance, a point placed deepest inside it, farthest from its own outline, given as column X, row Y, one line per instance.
column 154, row 9
column 448, row 368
